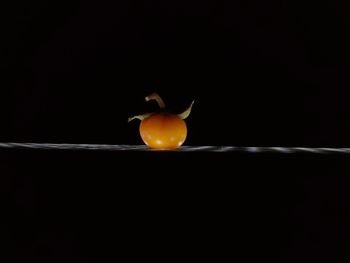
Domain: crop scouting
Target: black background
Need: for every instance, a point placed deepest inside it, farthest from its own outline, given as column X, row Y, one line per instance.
column 263, row 73
column 67, row 206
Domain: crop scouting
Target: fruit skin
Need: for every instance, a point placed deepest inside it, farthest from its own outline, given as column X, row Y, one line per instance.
column 163, row 131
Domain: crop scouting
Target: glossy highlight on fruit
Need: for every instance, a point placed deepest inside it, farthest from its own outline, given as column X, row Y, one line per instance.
column 162, row 130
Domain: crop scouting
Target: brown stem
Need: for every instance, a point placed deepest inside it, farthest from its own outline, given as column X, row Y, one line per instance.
column 155, row 96
column 186, row 113
column 139, row 117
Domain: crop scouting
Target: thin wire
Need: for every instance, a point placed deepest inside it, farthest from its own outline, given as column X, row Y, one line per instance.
column 111, row 147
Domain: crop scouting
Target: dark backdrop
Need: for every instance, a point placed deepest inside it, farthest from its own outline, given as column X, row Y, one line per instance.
column 262, row 73
column 268, row 72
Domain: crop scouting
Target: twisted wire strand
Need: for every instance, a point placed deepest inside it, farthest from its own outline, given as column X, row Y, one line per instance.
column 112, row 147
